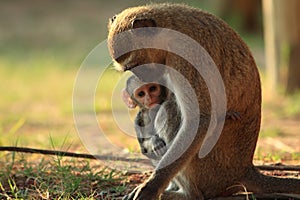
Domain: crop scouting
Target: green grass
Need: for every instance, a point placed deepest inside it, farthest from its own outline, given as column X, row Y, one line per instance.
column 32, row 177
column 36, row 101
column 277, row 157
column 271, row 132
column 291, row 106
column 286, row 106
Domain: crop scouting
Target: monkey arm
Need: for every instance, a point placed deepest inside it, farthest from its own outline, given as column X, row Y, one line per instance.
column 143, row 125
column 181, row 152
column 150, row 143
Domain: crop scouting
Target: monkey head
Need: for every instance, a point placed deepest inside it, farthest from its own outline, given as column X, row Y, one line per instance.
column 149, row 94
column 143, row 94
column 127, row 49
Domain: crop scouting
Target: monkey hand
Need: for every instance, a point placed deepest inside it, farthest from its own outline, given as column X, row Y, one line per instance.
column 159, row 146
column 143, row 192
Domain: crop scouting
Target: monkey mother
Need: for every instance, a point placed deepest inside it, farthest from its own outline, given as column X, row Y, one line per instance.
column 230, row 160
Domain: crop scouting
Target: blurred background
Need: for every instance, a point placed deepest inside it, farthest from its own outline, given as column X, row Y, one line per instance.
column 43, row 43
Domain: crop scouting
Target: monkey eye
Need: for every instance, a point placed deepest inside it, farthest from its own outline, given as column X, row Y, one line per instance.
column 153, row 88
column 141, row 94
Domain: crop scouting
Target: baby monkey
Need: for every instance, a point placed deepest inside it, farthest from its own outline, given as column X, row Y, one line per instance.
column 149, row 97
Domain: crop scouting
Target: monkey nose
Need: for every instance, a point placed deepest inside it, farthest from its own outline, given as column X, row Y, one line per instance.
column 148, row 99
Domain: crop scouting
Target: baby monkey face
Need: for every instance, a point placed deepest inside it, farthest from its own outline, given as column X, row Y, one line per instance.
column 148, row 94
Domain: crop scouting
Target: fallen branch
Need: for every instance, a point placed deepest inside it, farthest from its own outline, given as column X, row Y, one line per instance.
column 71, row 154
column 119, row 158
column 278, row 167
column 261, row 197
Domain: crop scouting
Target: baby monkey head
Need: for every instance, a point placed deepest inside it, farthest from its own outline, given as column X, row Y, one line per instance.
column 142, row 94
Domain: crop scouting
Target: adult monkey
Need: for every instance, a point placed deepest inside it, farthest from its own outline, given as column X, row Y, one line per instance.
column 230, row 161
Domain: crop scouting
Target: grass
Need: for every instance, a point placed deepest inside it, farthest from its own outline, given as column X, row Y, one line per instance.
column 291, row 107
column 278, row 139
column 30, row 177
column 271, row 132
column 283, row 106
column 34, row 105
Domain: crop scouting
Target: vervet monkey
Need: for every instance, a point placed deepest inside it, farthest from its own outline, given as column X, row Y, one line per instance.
column 230, row 161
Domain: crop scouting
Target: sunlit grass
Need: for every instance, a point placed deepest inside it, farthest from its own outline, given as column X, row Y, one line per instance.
column 284, row 106
column 271, row 132
column 23, row 177
column 292, row 105
column 36, row 101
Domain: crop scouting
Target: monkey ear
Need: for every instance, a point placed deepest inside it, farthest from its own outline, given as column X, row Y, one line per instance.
column 141, row 23
column 112, row 19
column 144, row 23
column 127, row 99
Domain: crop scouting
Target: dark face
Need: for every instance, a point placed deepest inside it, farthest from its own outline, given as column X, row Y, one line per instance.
column 149, row 94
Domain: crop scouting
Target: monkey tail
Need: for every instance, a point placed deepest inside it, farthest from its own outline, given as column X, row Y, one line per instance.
column 259, row 183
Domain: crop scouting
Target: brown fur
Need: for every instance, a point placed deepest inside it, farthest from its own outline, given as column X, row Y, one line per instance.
column 230, row 161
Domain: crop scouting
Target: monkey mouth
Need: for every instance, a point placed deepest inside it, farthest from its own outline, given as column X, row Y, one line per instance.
column 153, row 105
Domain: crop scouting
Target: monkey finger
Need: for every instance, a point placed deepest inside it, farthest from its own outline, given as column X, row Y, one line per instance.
column 159, row 146
column 161, row 151
column 144, row 193
column 131, row 195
